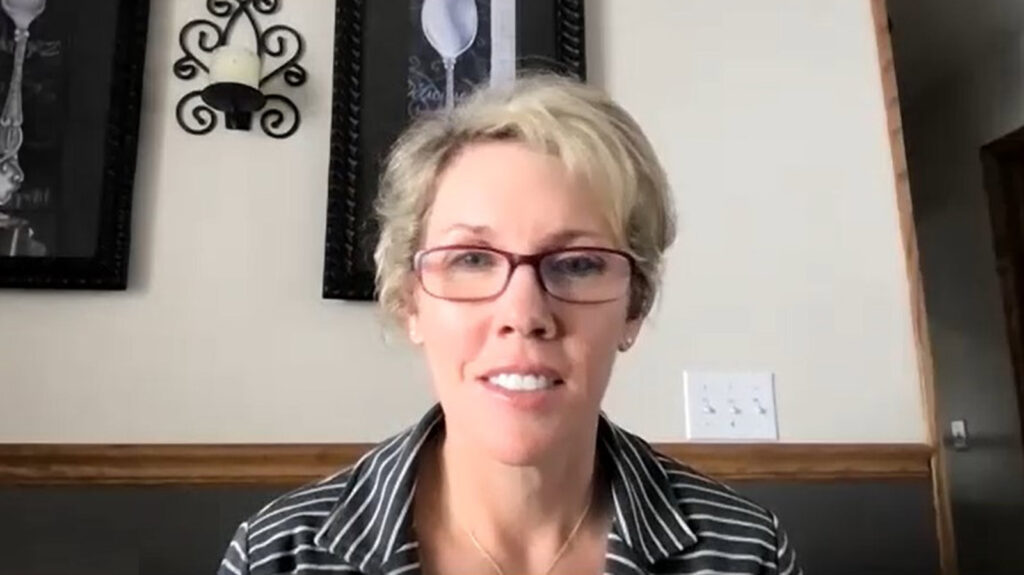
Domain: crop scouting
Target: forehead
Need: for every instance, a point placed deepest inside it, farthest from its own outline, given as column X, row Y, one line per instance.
column 517, row 193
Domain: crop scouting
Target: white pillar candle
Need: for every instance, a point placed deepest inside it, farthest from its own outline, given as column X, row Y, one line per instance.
column 235, row 64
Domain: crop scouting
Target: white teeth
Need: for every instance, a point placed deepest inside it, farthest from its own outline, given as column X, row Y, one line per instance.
column 521, row 382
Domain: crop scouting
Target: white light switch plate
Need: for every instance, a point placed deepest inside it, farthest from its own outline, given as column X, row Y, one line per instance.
column 730, row 406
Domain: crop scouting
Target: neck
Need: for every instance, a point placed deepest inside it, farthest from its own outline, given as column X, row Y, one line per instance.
column 520, row 514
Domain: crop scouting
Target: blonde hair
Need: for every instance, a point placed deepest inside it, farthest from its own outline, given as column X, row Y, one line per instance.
column 595, row 139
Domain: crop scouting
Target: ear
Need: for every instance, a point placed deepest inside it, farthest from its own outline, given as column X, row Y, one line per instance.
column 412, row 327
column 630, row 333
column 409, row 307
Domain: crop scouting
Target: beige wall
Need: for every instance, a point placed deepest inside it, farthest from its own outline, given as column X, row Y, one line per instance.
column 770, row 120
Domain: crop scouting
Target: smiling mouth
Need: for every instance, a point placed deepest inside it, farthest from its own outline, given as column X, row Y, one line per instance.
column 523, row 382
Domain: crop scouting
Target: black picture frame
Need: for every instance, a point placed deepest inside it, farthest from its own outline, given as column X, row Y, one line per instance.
column 368, row 112
column 100, row 117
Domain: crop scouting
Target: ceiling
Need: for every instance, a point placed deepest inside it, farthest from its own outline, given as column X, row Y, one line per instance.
column 932, row 38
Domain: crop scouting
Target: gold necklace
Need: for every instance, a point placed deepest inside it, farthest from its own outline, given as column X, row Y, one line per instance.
column 558, row 556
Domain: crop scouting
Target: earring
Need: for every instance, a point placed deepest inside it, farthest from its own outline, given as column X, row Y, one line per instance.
column 626, row 344
column 414, row 335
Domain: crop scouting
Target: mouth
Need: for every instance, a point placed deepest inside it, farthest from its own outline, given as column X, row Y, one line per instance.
column 525, row 387
column 523, row 382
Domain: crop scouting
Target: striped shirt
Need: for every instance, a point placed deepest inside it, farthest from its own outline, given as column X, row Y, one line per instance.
column 666, row 518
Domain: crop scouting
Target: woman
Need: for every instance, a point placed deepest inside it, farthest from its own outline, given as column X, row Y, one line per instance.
column 521, row 240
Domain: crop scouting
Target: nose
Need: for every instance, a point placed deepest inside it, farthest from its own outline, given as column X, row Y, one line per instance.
column 524, row 309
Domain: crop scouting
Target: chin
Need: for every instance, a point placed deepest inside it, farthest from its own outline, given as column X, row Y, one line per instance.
column 515, row 441
column 517, row 451
column 513, row 435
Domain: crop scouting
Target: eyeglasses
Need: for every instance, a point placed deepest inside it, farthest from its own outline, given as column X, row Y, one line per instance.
column 466, row 273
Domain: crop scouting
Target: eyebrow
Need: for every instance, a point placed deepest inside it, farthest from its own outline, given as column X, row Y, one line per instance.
column 475, row 230
column 562, row 237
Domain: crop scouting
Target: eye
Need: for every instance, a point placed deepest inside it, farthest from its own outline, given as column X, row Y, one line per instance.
column 577, row 264
column 469, row 259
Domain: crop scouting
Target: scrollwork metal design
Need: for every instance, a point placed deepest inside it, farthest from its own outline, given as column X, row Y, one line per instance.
column 208, row 37
column 194, row 116
column 277, row 42
column 266, row 6
column 280, row 117
column 220, row 8
column 201, row 37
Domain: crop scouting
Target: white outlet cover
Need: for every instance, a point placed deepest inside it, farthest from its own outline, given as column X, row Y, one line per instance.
column 730, row 406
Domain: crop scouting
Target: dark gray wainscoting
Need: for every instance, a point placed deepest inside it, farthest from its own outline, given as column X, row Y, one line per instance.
column 839, row 527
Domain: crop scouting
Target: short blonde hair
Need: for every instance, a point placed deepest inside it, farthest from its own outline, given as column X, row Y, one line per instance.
column 595, row 139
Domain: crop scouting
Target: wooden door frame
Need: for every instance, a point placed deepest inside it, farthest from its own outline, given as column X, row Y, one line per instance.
column 925, row 363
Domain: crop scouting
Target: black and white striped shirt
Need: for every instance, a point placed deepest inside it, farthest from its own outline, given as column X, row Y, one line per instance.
column 667, row 518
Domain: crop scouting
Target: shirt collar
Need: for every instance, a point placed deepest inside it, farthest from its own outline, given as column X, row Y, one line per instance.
column 372, row 520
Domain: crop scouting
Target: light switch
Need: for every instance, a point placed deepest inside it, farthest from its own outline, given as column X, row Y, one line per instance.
column 730, row 406
column 959, row 430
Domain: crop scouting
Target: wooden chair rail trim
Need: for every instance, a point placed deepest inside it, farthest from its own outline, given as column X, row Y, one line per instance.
column 283, row 464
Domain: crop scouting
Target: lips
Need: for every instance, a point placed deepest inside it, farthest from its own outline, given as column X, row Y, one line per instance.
column 523, row 376
column 520, row 382
column 524, row 388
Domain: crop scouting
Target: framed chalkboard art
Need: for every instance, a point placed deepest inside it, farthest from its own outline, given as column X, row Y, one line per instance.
column 71, row 84
column 394, row 59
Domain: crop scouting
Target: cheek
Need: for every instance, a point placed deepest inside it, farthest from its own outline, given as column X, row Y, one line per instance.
column 601, row 325
column 593, row 336
column 453, row 335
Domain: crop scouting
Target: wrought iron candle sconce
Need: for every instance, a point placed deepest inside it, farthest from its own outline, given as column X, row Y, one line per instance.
column 237, row 81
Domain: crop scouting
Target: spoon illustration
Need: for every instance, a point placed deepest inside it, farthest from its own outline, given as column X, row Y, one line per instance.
column 450, row 27
column 22, row 13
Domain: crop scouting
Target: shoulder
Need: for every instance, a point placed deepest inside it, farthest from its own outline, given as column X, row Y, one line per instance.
column 304, row 528
column 706, row 501
column 728, row 530
column 339, row 521
column 299, row 510
column 732, row 530
column 699, row 497
column 288, row 526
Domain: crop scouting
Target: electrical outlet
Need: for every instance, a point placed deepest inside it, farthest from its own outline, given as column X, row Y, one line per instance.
column 730, row 406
